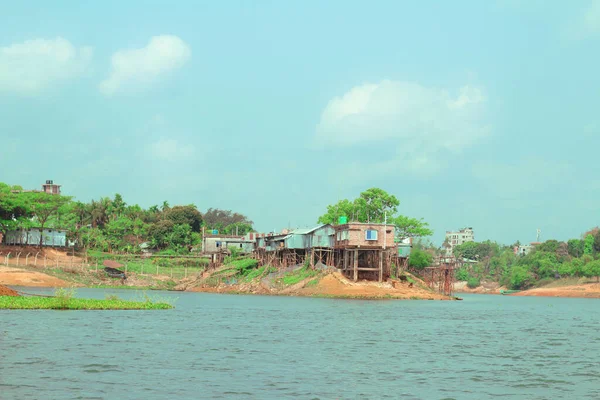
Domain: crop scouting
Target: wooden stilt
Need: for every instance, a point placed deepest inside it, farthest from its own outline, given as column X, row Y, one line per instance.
column 380, row 266
column 355, row 265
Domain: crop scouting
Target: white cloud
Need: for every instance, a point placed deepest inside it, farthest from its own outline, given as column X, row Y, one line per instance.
column 418, row 121
column 31, row 66
column 142, row 67
column 171, row 150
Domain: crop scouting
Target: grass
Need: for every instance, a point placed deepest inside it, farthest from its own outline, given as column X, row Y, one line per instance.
column 64, row 300
column 54, row 303
column 297, row 276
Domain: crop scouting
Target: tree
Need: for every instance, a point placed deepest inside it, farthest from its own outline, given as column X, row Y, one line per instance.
column 99, row 211
column 227, row 221
column 14, row 208
column 575, row 247
column 159, row 232
column 419, row 259
column 588, row 244
column 187, row 215
column 374, row 204
column 343, row 208
column 596, row 244
column 468, row 250
column 410, row 227
column 116, row 207
column 520, row 278
column 43, row 206
column 592, row 269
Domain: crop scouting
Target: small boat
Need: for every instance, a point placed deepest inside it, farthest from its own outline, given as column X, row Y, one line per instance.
column 115, row 273
column 509, row 291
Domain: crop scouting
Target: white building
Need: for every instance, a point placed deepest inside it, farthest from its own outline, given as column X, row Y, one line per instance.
column 456, row 238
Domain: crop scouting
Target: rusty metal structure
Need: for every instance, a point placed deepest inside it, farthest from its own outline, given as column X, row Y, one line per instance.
column 441, row 276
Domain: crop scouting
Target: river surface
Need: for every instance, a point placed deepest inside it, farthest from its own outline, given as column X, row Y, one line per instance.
column 254, row 347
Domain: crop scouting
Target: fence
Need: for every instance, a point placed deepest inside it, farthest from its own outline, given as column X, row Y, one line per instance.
column 174, row 267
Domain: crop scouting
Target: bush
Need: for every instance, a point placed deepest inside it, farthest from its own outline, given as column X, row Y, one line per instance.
column 520, row 278
column 419, row 259
column 462, row 274
column 473, row 283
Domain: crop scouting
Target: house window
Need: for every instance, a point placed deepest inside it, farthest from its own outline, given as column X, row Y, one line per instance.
column 371, row 234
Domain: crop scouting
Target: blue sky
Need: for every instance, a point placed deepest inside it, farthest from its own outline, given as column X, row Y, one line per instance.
column 472, row 113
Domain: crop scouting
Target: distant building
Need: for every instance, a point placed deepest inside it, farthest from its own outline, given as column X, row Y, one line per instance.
column 49, row 187
column 456, row 238
column 525, row 249
column 50, row 237
column 220, row 243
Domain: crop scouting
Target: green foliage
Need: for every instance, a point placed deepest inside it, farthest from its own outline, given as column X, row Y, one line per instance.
column 462, row 274
column 549, row 246
column 63, row 296
column 227, row 222
column 473, row 283
column 588, row 244
column 71, row 303
column 410, row 227
column 185, row 215
column 592, row 269
column 419, row 259
column 298, row 275
column 111, row 224
column 373, row 205
column 575, row 247
column 520, row 278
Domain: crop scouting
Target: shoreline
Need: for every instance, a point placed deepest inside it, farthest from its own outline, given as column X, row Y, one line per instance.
column 326, row 285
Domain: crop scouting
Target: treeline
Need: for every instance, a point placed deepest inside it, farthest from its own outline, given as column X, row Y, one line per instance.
column 547, row 261
column 110, row 224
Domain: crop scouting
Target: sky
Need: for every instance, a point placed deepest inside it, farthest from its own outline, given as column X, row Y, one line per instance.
column 474, row 114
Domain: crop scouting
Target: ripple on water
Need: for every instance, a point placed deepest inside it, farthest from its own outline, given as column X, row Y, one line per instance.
column 215, row 346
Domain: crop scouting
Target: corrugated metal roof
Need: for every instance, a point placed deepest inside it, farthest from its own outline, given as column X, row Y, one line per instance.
column 306, row 231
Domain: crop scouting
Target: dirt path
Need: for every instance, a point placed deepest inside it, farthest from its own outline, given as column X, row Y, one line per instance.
column 589, row 290
column 20, row 277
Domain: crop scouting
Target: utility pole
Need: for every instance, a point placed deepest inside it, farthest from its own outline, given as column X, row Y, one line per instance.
column 384, row 229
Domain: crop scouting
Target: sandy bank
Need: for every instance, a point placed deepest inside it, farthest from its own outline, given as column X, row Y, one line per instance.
column 21, row 277
column 333, row 285
column 588, row 290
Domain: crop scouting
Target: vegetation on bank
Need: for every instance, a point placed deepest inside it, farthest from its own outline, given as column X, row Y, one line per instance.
column 64, row 300
column 547, row 262
column 112, row 225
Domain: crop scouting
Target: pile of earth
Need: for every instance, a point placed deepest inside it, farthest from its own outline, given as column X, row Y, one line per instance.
column 6, row 291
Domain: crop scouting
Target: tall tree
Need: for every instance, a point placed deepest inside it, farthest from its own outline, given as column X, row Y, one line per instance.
column 187, row 215
column 44, row 206
column 410, row 227
column 376, row 205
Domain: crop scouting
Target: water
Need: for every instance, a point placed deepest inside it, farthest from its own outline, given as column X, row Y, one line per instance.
column 253, row 347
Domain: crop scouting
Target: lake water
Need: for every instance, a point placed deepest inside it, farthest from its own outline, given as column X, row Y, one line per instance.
column 254, row 347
